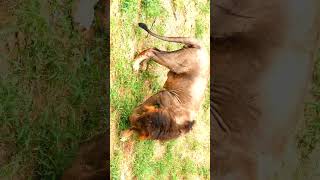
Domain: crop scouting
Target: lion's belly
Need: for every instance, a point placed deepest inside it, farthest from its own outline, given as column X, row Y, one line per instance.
column 197, row 91
column 190, row 90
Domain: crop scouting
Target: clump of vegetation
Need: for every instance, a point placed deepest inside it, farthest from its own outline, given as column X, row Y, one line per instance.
column 152, row 8
column 310, row 137
column 128, row 6
column 199, row 28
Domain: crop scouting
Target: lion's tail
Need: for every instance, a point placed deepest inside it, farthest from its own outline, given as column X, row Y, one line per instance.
column 184, row 40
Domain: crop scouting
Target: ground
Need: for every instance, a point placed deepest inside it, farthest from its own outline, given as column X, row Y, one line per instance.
column 188, row 157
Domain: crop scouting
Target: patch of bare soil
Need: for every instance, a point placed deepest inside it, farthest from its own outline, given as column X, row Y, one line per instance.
column 159, row 150
column 4, row 64
column 5, row 153
column 6, row 11
column 6, row 37
column 175, row 19
column 126, row 164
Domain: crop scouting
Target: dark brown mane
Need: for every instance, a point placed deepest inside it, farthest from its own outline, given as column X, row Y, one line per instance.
column 160, row 125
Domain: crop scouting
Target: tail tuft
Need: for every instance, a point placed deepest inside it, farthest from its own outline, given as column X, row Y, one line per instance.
column 143, row 26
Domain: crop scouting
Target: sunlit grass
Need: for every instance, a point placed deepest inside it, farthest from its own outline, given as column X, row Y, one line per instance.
column 185, row 157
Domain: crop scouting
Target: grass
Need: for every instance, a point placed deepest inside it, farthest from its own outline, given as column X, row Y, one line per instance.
column 309, row 139
column 199, row 28
column 152, row 8
column 309, row 136
column 186, row 157
column 49, row 99
column 179, row 5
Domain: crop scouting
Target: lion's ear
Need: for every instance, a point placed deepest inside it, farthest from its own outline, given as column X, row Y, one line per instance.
column 187, row 126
